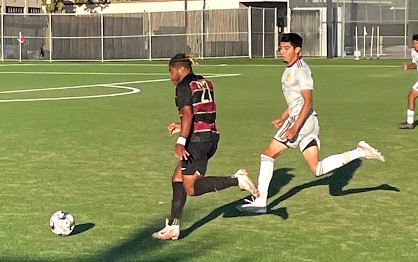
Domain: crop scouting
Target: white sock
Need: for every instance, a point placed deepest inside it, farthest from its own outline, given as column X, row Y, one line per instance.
column 410, row 114
column 333, row 162
column 265, row 175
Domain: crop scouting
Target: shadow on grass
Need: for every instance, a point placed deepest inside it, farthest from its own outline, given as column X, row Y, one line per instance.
column 280, row 178
column 142, row 243
column 82, row 228
column 339, row 179
column 141, row 247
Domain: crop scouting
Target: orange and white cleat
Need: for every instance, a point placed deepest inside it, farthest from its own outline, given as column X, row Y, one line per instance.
column 369, row 151
column 245, row 182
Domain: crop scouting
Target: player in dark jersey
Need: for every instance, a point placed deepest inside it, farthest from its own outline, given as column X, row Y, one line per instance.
column 196, row 144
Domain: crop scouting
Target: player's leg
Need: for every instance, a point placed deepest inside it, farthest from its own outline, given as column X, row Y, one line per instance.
column 179, row 196
column 410, row 112
column 259, row 204
column 197, row 183
column 310, row 144
column 321, row 167
column 172, row 228
column 330, row 163
column 274, row 149
column 277, row 146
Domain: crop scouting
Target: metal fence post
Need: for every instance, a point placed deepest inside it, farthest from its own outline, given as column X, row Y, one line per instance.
column 288, row 18
column 2, row 34
column 50, row 37
column 149, row 38
column 102, row 36
column 343, row 54
column 249, row 33
column 406, row 30
column 276, row 35
column 264, row 30
column 202, row 35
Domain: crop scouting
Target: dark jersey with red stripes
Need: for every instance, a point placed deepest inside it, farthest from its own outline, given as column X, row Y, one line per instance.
column 197, row 92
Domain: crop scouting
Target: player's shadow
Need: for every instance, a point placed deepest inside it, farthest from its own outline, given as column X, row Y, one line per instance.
column 343, row 175
column 336, row 182
column 82, row 228
column 280, row 178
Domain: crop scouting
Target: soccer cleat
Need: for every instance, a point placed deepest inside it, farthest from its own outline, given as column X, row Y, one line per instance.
column 244, row 182
column 167, row 233
column 369, row 151
column 405, row 125
column 257, row 206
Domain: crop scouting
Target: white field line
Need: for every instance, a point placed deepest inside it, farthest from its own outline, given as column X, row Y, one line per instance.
column 279, row 64
column 83, row 73
column 132, row 91
column 120, row 85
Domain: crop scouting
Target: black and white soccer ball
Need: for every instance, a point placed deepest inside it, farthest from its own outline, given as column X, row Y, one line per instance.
column 62, row 223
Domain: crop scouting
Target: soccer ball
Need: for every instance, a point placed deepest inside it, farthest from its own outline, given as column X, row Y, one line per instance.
column 62, row 223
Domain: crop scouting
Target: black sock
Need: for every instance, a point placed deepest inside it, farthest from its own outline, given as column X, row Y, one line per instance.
column 177, row 203
column 213, row 183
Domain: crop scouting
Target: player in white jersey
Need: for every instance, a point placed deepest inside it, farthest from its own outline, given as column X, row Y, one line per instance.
column 413, row 94
column 298, row 126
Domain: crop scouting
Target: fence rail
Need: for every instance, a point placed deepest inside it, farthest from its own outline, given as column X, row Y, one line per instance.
column 384, row 27
column 244, row 32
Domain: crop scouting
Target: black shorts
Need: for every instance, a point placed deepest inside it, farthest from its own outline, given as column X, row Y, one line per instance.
column 200, row 153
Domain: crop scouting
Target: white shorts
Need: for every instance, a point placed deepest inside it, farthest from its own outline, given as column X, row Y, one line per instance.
column 415, row 87
column 307, row 133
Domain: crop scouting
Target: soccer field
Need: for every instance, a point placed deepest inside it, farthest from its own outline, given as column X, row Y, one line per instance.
column 91, row 139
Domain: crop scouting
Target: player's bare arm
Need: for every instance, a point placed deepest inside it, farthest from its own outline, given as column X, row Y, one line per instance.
column 306, row 108
column 174, row 128
column 279, row 121
column 186, row 115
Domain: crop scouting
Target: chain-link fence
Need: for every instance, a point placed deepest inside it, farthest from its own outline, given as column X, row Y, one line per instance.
column 361, row 28
column 246, row 32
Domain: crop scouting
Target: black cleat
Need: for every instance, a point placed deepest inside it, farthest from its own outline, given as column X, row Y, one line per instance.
column 405, row 125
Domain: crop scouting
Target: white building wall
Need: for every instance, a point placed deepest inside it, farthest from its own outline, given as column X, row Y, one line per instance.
column 21, row 3
column 157, row 6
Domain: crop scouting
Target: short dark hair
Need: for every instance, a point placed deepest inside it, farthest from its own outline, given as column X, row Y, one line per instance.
column 182, row 60
column 415, row 37
column 294, row 39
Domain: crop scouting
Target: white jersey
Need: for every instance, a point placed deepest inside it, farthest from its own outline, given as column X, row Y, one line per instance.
column 295, row 78
column 414, row 55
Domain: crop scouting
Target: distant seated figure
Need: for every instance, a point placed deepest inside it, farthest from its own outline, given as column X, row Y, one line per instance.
column 42, row 53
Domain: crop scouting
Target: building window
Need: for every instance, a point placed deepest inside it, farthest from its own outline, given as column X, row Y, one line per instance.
column 14, row 9
column 34, row 10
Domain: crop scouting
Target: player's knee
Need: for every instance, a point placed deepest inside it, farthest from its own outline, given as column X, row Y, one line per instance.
column 189, row 188
column 270, row 152
column 265, row 152
column 413, row 94
column 189, row 191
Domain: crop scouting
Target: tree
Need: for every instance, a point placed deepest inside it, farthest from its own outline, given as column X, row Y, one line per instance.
column 58, row 6
column 55, row 6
